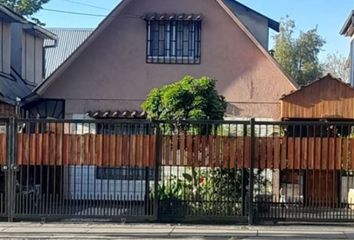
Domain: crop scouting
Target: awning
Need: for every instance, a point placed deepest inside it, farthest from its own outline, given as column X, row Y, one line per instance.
column 169, row 17
column 117, row 114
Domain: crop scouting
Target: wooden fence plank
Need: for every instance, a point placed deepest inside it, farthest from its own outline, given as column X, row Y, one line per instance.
column 240, row 152
column 233, row 159
column 182, row 150
column 277, row 154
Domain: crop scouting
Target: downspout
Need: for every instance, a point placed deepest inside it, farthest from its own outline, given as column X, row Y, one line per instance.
column 43, row 56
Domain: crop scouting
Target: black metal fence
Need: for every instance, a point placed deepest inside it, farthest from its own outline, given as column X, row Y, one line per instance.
column 235, row 171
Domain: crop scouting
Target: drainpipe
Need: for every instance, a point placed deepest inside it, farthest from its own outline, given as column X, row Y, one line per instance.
column 55, row 44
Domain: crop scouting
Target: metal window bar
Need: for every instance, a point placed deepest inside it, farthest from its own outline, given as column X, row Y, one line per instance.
column 173, row 41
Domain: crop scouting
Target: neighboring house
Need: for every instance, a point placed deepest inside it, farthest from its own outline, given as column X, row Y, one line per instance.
column 21, row 58
column 146, row 44
column 348, row 31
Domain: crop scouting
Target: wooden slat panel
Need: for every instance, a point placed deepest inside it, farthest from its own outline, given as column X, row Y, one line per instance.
column 218, row 151
column 203, row 150
column 297, row 157
column 99, row 145
column 125, row 150
column 247, row 155
column 345, row 154
column 196, row 151
column 226, row 153
column 182, row 148
column 46, row 149
column 174, row 149
column 304, row 153
column 189, row 150
column 311, row 153
column 233, row 163
column 331, row 153
column 167, row 151
column 59, row 149
column 20, row 149
column 32, row 149
column 112, row 150
column 318, row 153
column 270, row 153
column 153, row 159
column 240, row 154
column 132, row 151
column 338, row 155
column 283, row 151
column 277, row 154
column 211, row 152
column 256, row 153
column 52, row 149
column 291, row 153
column 263, row 152
column 325, row 155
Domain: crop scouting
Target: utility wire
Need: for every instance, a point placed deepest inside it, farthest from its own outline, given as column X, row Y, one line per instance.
column 86, row 4
column 74, row 13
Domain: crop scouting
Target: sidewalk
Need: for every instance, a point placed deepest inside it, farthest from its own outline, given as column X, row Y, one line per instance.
column 26, row 230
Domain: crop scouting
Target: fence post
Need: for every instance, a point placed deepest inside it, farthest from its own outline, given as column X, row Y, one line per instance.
column 157, row 172
column 11, row 161
column 251, row 181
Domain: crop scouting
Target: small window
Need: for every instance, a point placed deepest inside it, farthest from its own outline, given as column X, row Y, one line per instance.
column 124, row 173
column 174, row 39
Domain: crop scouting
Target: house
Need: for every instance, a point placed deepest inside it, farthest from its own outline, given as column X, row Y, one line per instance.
column 348, row 31
column 21, row 59
column 142, row 44
column 319, row 176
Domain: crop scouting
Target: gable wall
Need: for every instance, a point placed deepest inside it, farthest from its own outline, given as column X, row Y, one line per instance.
column 111, row 74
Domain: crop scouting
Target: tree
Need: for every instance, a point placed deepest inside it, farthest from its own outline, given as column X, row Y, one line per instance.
column 187, row 99
column 299, row 56
column 336, row 64
column 25, row 8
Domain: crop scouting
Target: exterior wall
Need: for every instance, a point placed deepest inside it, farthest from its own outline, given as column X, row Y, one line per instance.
column 80, row 182
column 326, row 98
column 111, row 73
column 256, row 24
column 352, row 62
column 5, row 47
column 32, row 58
column 16, row 47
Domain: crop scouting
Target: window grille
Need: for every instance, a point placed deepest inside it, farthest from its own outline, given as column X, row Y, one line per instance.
column 173, row 39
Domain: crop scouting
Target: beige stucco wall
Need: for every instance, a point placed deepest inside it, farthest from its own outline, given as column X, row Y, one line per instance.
column 111, row 74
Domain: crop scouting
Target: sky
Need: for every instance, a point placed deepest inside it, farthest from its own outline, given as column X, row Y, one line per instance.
column 327, row 15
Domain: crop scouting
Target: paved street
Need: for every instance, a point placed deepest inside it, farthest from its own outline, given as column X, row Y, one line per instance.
column 27, row 230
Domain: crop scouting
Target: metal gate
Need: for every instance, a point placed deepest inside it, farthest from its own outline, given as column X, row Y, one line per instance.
column 83, row 169
column 234, row 171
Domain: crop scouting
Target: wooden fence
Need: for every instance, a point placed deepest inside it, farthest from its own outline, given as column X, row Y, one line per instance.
column 181, row 150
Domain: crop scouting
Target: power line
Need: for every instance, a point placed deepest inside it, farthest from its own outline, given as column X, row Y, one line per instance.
column 74, row 13
column 86, row 4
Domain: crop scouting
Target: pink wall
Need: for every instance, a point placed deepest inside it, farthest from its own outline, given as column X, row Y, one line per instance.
column 111, row 74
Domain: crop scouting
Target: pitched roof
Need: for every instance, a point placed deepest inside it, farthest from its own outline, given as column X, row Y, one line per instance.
column 11, row 16
column 69, row 39
column 271, row 23
column 105, row 23
column 328, row 76
column 348, row 27
column 12, row 86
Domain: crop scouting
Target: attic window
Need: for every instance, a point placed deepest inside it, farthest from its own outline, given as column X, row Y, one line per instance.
column 173, row 39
